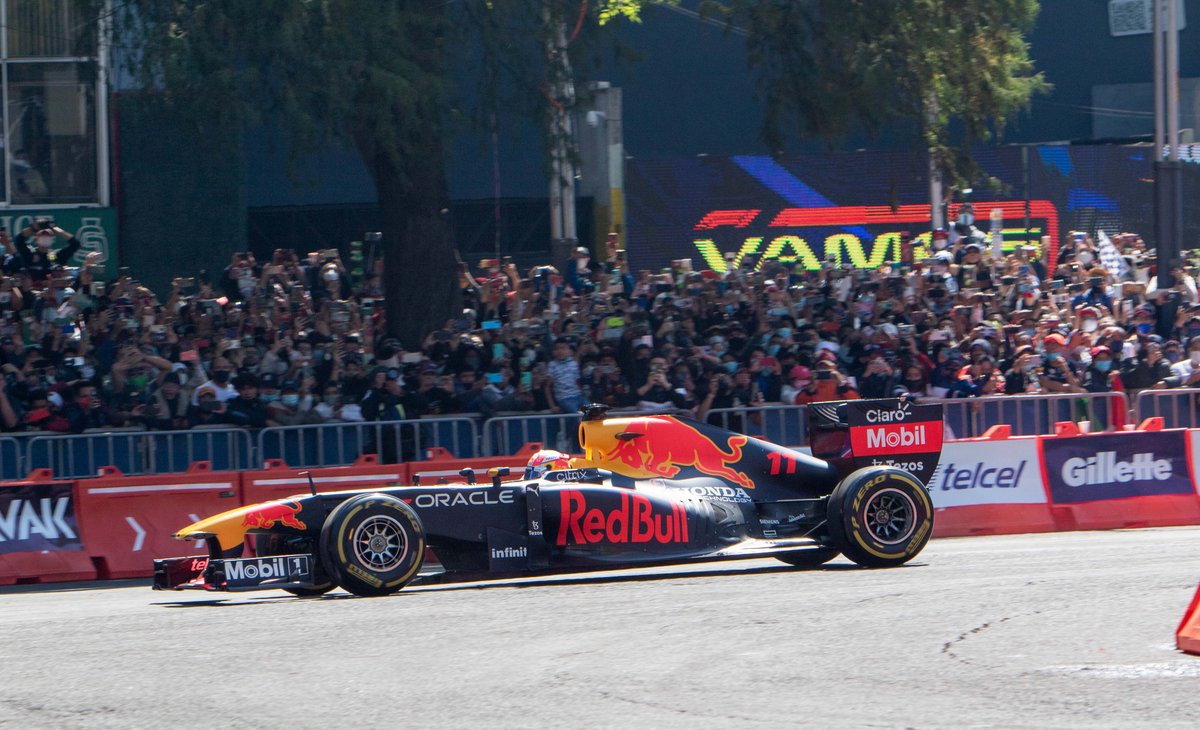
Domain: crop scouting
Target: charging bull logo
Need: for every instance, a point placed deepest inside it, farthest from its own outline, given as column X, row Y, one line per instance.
column 663, row 446
column 268, row 515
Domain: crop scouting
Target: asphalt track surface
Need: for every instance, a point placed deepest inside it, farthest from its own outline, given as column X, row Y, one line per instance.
column 1064, row 630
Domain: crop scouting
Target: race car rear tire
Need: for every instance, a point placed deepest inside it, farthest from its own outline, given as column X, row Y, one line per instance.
column 373, row 544
column 880, row 517
column 810, row 558
column 266, row 545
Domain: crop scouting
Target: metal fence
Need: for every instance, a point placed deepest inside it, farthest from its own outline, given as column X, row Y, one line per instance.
column 336, row 444
column 339, row 444
column 506, row 434
column 72, row 456
column 1033, row 414
column 10, row 459
column 783, row 425
column 1178, row 407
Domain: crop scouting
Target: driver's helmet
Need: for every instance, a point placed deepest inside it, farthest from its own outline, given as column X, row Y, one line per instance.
column 544, row 461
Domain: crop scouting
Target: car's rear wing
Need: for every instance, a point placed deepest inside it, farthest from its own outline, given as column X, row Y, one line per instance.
column 886, row 432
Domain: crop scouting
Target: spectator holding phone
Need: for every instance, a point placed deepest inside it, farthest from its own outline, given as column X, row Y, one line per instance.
column 828, row 383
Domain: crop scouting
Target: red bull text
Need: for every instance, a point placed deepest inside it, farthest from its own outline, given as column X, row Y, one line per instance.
column 635, row 521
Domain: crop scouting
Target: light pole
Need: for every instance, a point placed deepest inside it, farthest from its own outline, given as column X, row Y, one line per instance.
column 1168, row 172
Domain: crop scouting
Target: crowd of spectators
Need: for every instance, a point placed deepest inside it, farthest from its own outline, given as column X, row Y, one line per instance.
column 298, row 340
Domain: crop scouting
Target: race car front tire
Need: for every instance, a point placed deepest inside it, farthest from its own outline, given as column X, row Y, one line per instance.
column 373, row 544
column 810, row 558
column 880, row 517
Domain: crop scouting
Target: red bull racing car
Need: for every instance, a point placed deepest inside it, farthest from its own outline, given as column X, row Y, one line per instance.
column 649, row 490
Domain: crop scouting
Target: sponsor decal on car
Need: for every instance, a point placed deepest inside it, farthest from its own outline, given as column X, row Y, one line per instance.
column 664, row 446
column 635, row 521
column 881, row 431
column 572, row 475
column 252, row 571
column 722, row 494
column 1116, row 466
column 270, row 514
column 509, row 552
column 464, row 498
column 37, row 518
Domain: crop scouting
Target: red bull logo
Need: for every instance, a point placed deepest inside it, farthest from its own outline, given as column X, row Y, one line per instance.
column 272, row 513
column 635, row 521
column 663, row 446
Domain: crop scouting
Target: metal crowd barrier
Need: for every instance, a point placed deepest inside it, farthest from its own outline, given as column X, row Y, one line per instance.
column 1178, row 407
column 506, row 434
column 75, row 456
column 1032, row 414
column 10, row 459
column 783, row 425
column 339, row 444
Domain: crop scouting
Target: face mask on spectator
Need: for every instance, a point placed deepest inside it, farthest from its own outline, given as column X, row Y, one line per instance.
column 221, row 376
column 1089, row 325
column 772, row 350
column 1102, row 365
column 1194, row 356
column 291, row 400
column 44, row 242
column 1172, row 356
column 330, row 274
column 1086, row 258
column 268, row 397
column 731, row 367
column 1144, row 328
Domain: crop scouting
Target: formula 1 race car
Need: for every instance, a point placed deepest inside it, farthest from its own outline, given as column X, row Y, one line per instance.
column 651, row 489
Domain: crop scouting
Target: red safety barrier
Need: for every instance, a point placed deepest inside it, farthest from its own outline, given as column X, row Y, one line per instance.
column 129, row 521
column 277, row 480
column 444, row 467
column 992, row 519
column 1165, row 510
column 39, row 510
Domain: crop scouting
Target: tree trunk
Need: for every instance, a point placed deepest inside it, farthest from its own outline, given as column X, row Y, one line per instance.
column 420, row 271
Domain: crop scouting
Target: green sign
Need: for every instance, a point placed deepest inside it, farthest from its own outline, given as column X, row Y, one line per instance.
column 96, row 229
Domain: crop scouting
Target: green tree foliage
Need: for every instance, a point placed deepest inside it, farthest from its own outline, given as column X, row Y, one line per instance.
column 959, row 70
column 373, row 73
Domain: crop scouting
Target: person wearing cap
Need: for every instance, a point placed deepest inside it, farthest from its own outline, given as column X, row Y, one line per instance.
column 292, row 407
column 1147, row 366
column 168, row 408
column 578, row 273
column 1101, row 376
column 827, row 383
column 430, row 398
column 246, row 410
column 1058, row 371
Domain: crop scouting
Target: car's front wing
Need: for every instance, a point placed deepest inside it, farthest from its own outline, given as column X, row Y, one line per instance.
column 201, row 572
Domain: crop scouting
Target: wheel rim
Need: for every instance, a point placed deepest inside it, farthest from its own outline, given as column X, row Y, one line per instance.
column 380, row 543
column 890, row 516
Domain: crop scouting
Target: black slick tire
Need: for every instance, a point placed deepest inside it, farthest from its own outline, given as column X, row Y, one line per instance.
column 373, row 544
column 880, row 517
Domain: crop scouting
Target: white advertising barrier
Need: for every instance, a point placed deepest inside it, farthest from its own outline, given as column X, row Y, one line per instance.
column 972, row 473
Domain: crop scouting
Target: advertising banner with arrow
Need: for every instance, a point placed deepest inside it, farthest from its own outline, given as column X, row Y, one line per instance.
column 38, row 517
